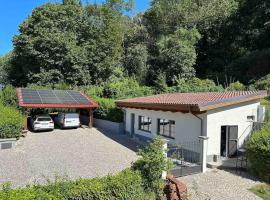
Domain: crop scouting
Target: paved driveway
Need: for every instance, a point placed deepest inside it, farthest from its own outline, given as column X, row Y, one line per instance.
column 71, row 153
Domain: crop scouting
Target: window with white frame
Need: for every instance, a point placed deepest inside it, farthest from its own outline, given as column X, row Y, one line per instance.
column 145, row 123
column 166, row 128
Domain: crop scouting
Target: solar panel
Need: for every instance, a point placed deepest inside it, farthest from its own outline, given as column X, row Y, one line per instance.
column 33, row 96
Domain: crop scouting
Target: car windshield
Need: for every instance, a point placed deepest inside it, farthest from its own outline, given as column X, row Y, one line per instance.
column 43, row 119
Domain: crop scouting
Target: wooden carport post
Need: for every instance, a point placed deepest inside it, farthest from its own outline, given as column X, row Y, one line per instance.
column 90, row 118
column 25, row 115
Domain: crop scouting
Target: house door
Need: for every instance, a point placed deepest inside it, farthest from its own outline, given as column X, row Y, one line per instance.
column 132, row 124
column 229, row 142
column 233, row 140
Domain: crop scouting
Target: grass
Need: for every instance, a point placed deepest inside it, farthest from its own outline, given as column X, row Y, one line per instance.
column 261, row 190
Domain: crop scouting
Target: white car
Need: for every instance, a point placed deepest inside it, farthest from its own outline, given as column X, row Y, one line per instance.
column 42, row 122
column 68, row 120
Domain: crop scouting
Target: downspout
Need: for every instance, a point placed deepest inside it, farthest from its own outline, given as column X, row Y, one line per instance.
column 201, row 120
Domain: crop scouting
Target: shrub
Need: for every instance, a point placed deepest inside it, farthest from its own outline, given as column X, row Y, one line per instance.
column 11, row 122
column 263, row 83
column 9, row 97
column 236, row 86
column 195, row 85
column 258, row 147
column 107, row 110
column 126, row 88
column 95, row 91
column 127, row 185
column 151, row 165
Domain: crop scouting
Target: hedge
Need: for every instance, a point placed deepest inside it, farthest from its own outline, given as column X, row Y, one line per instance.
column 11, row 122
column 127, row 185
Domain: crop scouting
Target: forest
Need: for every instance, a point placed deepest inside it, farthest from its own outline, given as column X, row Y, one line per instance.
column 174, row 46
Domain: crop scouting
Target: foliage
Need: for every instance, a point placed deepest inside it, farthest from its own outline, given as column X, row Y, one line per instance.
column 136, row 62
column 107, row 110
column 263, row 83
column 151, row 164
column 5, row 62
column 258, row 147
column 8, row 96
column 11, row 122
column 236, row 86
column 195, row 85
column 93, row 44
column 177, row 53
column 261, row 190
column 68, row 42
column 245, row 68
column 126, row 88
column 126, row 185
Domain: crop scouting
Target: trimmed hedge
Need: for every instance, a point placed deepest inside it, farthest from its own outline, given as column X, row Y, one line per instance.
column 107, row 110
column 127, row 185
column 11, row 122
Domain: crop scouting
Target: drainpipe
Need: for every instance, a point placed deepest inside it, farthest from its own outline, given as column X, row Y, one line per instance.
column 201, row 120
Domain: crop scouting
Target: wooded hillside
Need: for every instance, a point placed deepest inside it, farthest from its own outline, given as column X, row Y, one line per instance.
column 169, row 44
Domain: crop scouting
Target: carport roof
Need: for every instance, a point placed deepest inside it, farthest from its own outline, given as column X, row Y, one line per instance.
column 191, row 102
column 33, row 98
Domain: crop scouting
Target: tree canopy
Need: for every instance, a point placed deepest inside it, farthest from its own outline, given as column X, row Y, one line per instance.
column 92, row 44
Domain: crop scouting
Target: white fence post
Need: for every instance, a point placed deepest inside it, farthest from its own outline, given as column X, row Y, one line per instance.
column 204, row 142
column 165, row 147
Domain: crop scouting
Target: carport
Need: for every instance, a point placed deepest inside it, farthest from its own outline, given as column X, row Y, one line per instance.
column 37, row 98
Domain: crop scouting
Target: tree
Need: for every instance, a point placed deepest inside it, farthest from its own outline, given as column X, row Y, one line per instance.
column 4, row 67
column 136, row 62
column 177, row 53
column 47, row 49
column 72, row 2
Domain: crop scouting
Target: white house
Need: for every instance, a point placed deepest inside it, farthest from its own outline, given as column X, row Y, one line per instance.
column 226, row 118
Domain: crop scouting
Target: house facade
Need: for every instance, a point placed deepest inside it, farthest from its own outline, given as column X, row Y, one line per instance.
column 225, row 118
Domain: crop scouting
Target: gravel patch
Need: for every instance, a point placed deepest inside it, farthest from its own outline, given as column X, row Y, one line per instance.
column 219, row 184
column 74, row 153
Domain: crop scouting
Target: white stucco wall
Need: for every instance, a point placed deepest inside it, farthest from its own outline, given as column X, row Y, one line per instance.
column 235, row 115
column 187, row 126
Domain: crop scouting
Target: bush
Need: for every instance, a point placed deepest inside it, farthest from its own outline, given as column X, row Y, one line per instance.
column 263, row 83
column 195, row 85
column 11, row 122
column 236, row 86
column 9, row 97
column 127, row 185
column 258, row 147
column 107, row 110
column 151, row 165
column 95, row 91
column 126, row 88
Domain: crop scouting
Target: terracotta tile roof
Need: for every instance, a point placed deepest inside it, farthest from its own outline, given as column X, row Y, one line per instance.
column 191, row 101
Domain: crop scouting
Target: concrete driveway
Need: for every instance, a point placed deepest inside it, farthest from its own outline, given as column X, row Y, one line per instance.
column 72, row 153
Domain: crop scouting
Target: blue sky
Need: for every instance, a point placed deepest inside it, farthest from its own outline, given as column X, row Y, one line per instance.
column 13, row 12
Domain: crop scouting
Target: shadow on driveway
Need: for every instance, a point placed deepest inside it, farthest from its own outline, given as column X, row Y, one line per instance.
column 124, row 140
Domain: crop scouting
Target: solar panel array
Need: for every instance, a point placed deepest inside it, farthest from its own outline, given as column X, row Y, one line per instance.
column 32, row 96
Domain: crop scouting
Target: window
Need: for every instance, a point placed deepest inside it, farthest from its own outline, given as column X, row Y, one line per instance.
column 145, row 123
column 166, row 128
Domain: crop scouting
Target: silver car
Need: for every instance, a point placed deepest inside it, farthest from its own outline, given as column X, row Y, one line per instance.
column 42, row 122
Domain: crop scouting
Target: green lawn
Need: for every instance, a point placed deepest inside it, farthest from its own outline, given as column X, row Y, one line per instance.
column 261, row 190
